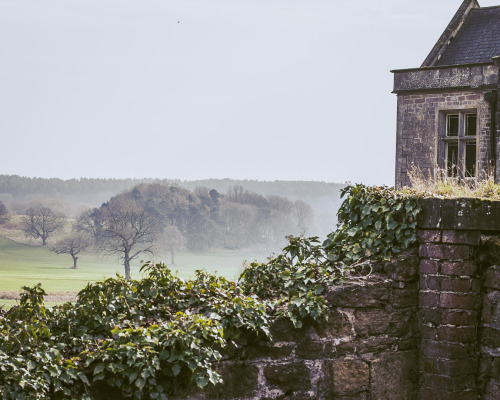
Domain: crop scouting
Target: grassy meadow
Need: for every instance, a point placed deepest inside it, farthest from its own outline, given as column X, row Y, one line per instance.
column 23, row 264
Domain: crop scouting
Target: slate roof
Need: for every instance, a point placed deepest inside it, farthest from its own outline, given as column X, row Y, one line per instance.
column 477, row 40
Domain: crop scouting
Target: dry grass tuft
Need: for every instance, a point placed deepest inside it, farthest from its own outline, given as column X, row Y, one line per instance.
column 442, row 185
column 57, row 297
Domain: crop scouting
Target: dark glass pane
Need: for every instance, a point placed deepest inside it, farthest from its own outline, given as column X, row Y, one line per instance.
column 452, row 159
column 452, row 125
column 470, row 160
column 470, row 124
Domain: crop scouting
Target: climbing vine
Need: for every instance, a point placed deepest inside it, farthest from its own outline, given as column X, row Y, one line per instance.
column 374, row 222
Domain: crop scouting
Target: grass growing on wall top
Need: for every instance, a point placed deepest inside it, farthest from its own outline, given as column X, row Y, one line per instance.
column 441, row 185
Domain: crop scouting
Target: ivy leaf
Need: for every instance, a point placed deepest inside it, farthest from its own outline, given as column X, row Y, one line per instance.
column 176, row 369
column 83, row 378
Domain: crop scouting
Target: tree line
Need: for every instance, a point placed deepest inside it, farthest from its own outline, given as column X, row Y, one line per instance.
column 152, row 218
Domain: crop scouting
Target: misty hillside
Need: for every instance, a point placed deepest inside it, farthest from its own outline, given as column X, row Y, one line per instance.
column 75, row 195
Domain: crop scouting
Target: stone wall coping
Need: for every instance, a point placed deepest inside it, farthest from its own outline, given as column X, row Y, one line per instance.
column 454, row 77
column 459, row 214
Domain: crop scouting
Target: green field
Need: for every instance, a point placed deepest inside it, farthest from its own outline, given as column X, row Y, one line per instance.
column 25, row 265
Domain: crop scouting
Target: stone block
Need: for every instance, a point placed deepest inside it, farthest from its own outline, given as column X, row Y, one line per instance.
column 460, row 334
column 288, row 377
column 458, row 317
column 470, row 214
column 451, row 351
column 429, row 236
column 407, row 297
column 310, row 350
column 462, row 237
column 283, row 330
column 378, row 322
column 428, row 365
column 428, row 332
column 429, row 267
column 348, row 376
column 240, row 380
column 432, row 394
column 493, row 389
column 489, row 366
column 276, row 352
column 361, row 295
column 370, row 344
column 458, row 268
column 448, row 383
column 338, row 325
column 464, row 285
column 428, row 299
column 457, row 367
column 437, row 366
column 451, row 252
column 394, row 376
column 490, row 337
column 403, row 268
column 491, row 309
column 429, row 316
column 430, row 214
column 427, row 282
column 465, row 301
column 492, row 278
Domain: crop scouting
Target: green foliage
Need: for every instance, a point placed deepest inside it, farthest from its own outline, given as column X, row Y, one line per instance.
column 294, row 281
column 142, row 339
column 374, row 222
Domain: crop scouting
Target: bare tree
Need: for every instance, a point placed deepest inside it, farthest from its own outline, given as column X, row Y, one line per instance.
column 4, row 214
column 73, row 245
column 281, row 204
column 173, row 240
column 304, row 215
column 89, row 223
column 127, row 229
column 41, row 222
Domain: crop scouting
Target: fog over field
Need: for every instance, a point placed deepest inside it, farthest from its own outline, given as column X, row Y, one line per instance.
column 215, row 224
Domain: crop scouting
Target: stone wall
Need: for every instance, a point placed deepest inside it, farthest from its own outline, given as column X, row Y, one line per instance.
column 459, row 299
column 424, row 95
column 366, row 350
column 489, row 336
column 446, row 78
column 424, row 326
column 420, row 126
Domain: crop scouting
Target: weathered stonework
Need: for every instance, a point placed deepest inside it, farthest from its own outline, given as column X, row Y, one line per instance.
column 425, row 326
column 368, row 348
column 459, row 291
column 418, row 125
column 460, row 79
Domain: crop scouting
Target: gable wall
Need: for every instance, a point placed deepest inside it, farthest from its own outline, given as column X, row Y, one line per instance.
column 417, row 129
column 422, row 94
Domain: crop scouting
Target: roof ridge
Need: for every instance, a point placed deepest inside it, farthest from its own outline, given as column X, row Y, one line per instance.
column 451, row 30
column 484, row 8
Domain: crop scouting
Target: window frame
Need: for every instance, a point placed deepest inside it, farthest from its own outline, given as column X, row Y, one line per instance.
column 461, row 139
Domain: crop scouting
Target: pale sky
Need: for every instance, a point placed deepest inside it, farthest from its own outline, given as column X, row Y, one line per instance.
column 193, row 89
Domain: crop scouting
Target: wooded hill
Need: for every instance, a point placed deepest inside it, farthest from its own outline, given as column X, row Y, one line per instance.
column 72, row 196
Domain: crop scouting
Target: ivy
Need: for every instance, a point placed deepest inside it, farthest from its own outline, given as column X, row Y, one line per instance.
column 374, row 222
column 143, row 339
column 294, row 281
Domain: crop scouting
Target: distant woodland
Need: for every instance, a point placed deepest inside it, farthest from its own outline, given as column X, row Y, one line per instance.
column 183, row 215
column 75, row 195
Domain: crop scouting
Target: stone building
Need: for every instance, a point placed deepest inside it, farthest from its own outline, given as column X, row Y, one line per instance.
column 447, row 109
